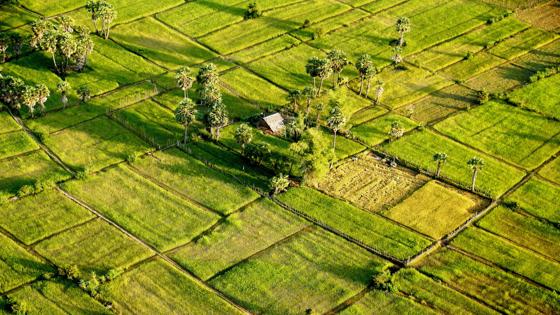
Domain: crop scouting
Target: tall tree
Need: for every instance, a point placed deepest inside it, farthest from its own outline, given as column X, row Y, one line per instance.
column 208, row 90
column 336, row 121
column 396, row 131
column 324, row 72
column 84, row 93
column 440, row 158
column 184, row 80
column 243, row 136
column 217, row 119
column 365, row 68
column 312, row 69
column 185, row 114
column 378, row 93
column 476, row 164
column 104, row 12
column 294, row 96
column 42, row 93
column 29, row 99
column 63, row 87
column 309, row 94
column 402, row 26
column 338, row 61
column 279, row 184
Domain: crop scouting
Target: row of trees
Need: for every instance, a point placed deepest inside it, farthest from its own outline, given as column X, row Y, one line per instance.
column 15, row 93
column 475, row 163
column 209, row 97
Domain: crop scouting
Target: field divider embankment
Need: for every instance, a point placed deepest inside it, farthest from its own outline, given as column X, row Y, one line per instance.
column 494, row 265
column 154, row 250
column 46, row 149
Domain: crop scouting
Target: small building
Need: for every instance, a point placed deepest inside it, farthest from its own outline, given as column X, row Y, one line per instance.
column 273, row 123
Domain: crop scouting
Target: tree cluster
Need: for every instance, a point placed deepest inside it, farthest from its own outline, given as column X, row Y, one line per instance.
column 102, row 13
column 69, row 45
column 16, row 94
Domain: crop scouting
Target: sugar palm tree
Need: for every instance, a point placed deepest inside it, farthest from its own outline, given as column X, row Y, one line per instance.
column 402, row 26
column 476, row 164
column 336, row 121
column 243, row 136
column 184, row 80
column 185, row 114
column 337, row 60
column 365, row 68
column 440, row 158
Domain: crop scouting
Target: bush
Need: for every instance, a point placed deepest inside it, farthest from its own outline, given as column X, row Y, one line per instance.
column 483, row 96
column 252, row 12
column 384, row 281
column 17, row 307
column 71, row 272
column 26, row 190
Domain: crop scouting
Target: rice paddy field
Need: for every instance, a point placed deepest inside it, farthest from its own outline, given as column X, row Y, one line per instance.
column 428, row 183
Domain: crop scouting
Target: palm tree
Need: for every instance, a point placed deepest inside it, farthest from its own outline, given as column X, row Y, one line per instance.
column 185, row 114
column 309, row 94
column 378, row 93
column 29, row 98
column 217, row 119
column 43, row 93
column 402, row 26
column 294, row 97
column 440, row 158
column 84, row 93
column 107, row 14
column 396, row 131
column 184, row 80
column 324, row 71
column 365, row 68
column 243, row 136
column 337, row 60
column 475, row 164
column 336, row 121
column 279, row 184
column 397, row 55
column 312, row 68
column 63, row 87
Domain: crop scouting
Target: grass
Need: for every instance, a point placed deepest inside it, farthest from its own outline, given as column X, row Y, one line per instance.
column 163, row 289
column 350, row 104
column 521, row 43
column 551, row 171
column 439, row 104
column 523, row 230
column 434, row 209
column 463, row 70
column 272, row 24
column 371, row 229
column 439, row 296
column 95, row 246
column 516, row 135
column 331, row 24
column 539, row 96
column 500, row 79
column 14, row 16
column 376, row 131
column 287, row 68
column 37, row 217
column 544, row 17
column 29, row 169
column 95, row 144
column 539, row 198
column 17, row 266
column 7, row 123
column 405, row 86
column 125, row 96
column 152, row 122
column 230, row 163
column 269, row 47
column 151, row 213
column 52, row 7
column 370, row 184
column 539, row 59
column 311, row 270
column 418, row 148
column 509, row 256
column 366, row 114
column 128, row 12
column 258, row 226
column 386, row 303
column 253, row 88
column 159, row 43
column 206, row 185
column 15, row 143
column 500, row 290
column 57, row 297
column 456, row 49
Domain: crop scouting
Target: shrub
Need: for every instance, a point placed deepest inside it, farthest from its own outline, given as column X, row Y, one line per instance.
column 26, row 190
column 483, row 96
column 252, row 12
column 17, row 307
column 71, row 272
